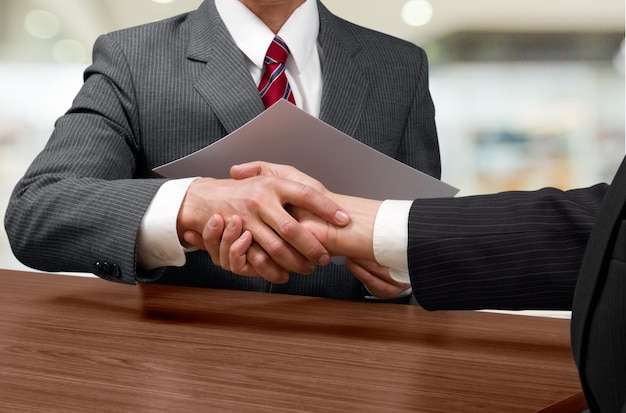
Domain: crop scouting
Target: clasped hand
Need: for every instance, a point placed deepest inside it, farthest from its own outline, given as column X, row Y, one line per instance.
column 291, row 223
column 257, row 205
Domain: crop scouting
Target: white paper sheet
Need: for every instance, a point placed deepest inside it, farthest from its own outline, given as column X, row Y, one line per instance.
column 285, row 134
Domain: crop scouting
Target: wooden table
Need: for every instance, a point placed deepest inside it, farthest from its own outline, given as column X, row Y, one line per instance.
column 74, row 344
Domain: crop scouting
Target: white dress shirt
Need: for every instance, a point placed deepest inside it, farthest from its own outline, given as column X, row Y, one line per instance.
column 391, row 238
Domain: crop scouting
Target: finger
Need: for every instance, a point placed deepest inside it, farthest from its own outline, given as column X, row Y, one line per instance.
column 256, row 168
column 232, row 232
column 234, row 246
column 376, row 269
column 307, row 194
column 239, row 247
column 238, row 261
column 250, row 169
column 309, row 198
column 195, row 239
column 281, row 252
column 212, row 236
column 290, row 230
column 265, row 266
column 378, row 286
column 288, row 242
column 238, row 254
column 374, row 285
column 244, row 257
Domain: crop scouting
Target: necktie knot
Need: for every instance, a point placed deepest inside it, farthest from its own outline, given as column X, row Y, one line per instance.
column 274, row 84
column 278, row 52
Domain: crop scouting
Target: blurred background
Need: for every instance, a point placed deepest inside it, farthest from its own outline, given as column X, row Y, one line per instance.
column 528, row 94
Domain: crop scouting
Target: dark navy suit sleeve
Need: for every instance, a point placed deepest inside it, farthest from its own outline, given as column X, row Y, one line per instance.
column 513, row 250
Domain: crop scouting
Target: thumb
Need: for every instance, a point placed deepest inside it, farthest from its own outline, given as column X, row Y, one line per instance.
column 194, row 239
column 248, row 170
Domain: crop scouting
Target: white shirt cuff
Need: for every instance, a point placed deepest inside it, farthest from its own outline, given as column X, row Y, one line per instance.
column 157, row 239
column 391, row 238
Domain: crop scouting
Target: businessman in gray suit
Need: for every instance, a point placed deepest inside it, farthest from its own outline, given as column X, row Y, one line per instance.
column 90, row 203
column 545, row 249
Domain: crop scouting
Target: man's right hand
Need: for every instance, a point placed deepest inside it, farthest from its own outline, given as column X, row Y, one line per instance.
column 233, row 248
column 352, row 240
column 260, row 201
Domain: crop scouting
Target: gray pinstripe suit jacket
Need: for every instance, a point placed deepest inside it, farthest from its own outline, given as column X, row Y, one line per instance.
column 160, row 91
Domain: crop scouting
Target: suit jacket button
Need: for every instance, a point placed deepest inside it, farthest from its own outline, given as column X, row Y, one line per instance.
column 107, row 270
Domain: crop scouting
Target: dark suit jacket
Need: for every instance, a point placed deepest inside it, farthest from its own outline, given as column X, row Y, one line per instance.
column 513, row 250
column 524, row 250
column 161, row 91
column 599, row 308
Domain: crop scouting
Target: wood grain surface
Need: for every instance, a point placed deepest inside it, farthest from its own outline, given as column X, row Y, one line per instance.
column 74, row 344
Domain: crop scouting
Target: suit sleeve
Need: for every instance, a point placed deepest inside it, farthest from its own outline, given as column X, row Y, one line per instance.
column 80, row 203
column 513, row 250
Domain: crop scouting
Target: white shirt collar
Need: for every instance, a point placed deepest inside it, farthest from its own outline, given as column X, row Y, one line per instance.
column 253, row 37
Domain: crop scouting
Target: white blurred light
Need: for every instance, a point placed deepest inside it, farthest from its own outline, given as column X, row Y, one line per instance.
column 42, row 24
column 69, row 51
column 417, row 13
column 163, row 1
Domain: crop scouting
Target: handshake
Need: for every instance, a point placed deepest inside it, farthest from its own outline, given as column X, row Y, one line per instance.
column 271, row 220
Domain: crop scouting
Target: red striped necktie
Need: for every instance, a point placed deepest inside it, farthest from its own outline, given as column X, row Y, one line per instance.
column 274, row 84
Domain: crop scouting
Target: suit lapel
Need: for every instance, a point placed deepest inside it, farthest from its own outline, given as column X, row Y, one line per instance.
column 344, row 85
column 225, row 82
